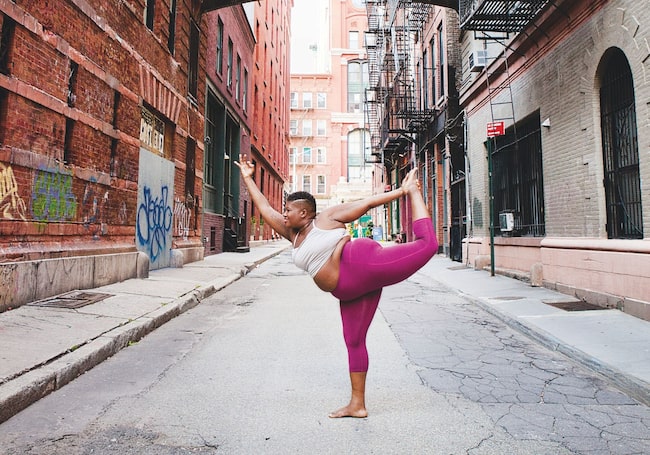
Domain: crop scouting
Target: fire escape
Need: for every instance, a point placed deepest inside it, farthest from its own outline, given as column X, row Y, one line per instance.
column 393, row 114
column 495, row 22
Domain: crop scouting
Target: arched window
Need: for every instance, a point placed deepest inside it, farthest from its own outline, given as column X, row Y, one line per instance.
column 620, row 147
column 357, row 82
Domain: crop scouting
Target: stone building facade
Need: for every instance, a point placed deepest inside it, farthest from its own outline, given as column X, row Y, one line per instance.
column 571, row 173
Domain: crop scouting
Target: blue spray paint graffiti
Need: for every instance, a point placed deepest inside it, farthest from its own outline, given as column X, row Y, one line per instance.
column 154, row 210
column 154, row 222
column 52, row 197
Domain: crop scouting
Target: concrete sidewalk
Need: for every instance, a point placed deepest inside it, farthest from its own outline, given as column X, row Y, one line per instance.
column 44, row 348
column 608, row 341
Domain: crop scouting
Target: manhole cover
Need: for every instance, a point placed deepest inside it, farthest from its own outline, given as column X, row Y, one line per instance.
column 577, row 305
column 72, row 299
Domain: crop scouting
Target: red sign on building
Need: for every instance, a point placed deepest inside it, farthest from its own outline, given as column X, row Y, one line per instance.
column 496, row 129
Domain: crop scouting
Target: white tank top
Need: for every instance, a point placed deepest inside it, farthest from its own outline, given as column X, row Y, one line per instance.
column 316, row 248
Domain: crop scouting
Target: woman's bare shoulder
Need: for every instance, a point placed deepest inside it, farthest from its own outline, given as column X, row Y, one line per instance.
column 325, row 221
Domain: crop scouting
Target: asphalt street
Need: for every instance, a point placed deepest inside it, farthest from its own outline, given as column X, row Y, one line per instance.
column 256, row 367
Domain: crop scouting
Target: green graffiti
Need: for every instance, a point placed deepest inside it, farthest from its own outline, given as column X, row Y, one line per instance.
column 52, row 197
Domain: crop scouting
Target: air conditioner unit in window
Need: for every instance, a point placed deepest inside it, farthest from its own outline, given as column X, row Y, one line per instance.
column 477, row 60
column 507, row 221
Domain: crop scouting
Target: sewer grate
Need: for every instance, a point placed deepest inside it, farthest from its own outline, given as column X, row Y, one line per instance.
column 574, row 305
column 458, row 267
column 72, row 299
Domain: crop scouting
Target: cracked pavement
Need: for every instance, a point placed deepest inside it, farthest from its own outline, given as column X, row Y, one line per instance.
column 529, row 391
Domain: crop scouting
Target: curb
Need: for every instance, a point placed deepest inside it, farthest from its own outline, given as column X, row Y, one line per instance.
column 634, row 387
column 26, row 389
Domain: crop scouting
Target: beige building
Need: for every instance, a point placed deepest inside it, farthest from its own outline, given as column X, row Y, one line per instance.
column 571, row 171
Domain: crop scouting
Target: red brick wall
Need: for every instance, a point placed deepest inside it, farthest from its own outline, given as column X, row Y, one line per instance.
column 69, row 170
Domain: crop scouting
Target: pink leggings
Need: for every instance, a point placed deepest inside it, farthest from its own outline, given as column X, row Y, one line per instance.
column 366, row 267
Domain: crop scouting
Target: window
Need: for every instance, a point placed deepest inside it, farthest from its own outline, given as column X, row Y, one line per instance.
column 356, row 162
column 6, row 37
column 215, row 118
column 193, row 71
column 293, row 151
column 244, row 96
column 306, row 128
column 620, row 148
column 190, row 171
column 357, row 83
column 306, row 155
column 321, row 126
column 441, row 62
column 171, row 38
column 219, row 46
column 306, row 183
column 293, row 127
column 518, row 183
column 149, row 14
column 321, row 100
column 320, row 184
column 294, row 100
column 321, row 155
column 425, row 79
column 306, row 100
column 229, row 67
column 238, row 78
column 353, row 39
column 432, row 46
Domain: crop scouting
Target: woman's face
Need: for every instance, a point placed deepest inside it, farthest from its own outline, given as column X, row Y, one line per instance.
column 293, row 214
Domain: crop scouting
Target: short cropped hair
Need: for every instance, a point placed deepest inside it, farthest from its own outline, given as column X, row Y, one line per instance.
column 304, row 196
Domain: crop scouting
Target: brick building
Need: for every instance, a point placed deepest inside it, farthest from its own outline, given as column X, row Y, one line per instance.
column 571, row 174
column 412, row 108
column 270, row 106
column 101, row 130
column 229, row 69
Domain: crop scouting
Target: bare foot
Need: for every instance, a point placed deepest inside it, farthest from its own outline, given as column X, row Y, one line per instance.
column 349, row 411
column 411, row 184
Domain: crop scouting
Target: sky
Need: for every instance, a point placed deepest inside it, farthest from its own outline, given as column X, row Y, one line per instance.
column 309, row 33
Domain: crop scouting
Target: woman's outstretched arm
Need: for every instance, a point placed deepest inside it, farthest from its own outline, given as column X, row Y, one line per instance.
column 351, row 211
column 270, row 215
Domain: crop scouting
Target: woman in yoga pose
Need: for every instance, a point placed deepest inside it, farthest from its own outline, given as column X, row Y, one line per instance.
column 352, row 271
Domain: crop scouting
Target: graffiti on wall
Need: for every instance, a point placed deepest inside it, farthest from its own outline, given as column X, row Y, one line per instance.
column 154, row 222
column 93, row 207
column 182, row 219
column 52, row 197
column 11, row 204
column 154, row 216
column 8, row 286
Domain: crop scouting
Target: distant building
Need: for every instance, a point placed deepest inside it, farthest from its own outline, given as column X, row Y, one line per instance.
column 329, row 144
